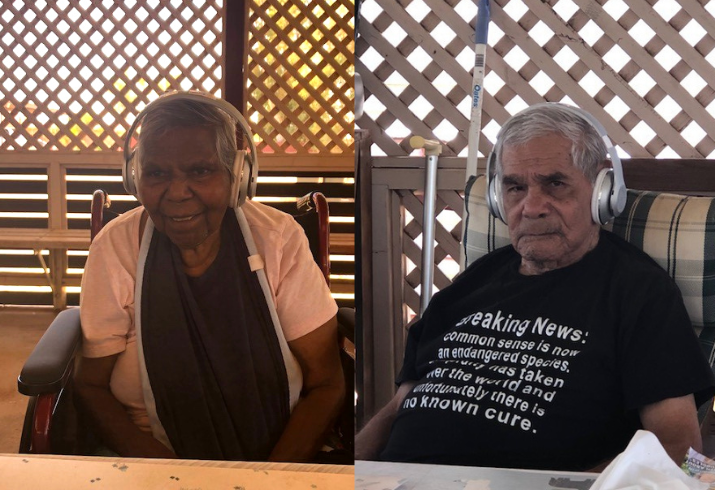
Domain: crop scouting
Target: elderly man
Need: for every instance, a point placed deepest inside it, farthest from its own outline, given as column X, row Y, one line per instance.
column 551, row 352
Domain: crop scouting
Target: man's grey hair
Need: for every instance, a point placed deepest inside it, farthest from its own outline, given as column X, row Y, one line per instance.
column 182, row 113
column 588, row 150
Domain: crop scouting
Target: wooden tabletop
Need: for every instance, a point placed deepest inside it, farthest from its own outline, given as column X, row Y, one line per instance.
column 371, row 475
column 24, row 471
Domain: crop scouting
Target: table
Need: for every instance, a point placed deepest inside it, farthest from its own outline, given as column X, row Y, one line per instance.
column 24, row 472
column 372, row 475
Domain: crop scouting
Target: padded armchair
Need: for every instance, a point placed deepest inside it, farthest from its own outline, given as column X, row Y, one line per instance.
column 46, row 375
column 313, row 215
column 43, row 378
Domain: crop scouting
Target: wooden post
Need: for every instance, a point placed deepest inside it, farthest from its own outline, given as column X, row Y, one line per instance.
column 57, row 208
column 363, row 277
column 236, row 53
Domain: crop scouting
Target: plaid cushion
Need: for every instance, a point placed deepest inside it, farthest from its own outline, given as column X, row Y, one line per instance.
column 483, row 232
column 677, row 231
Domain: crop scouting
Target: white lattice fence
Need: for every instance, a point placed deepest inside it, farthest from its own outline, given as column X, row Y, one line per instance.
column 448, row 231
column 640, row 66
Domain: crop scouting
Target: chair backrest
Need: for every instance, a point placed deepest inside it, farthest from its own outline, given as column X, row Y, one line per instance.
column 677, row 231
column 100, row 201
column 313, row 215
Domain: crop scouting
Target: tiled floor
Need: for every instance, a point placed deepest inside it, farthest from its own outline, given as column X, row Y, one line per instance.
column 20, row 329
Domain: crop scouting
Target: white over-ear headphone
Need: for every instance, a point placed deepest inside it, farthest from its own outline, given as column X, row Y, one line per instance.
column 245, row 166
column 609, row 190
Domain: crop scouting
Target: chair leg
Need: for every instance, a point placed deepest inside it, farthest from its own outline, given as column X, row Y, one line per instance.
column 40, row 439
column 26, row 437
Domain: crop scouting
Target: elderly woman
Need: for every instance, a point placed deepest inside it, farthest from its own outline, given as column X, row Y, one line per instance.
column 183, row 354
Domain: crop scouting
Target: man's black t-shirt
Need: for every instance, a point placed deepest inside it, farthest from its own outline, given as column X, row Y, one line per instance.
column 545, row 371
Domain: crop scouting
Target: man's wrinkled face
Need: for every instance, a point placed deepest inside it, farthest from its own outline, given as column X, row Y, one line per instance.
column 547, row 202
column 183, row 186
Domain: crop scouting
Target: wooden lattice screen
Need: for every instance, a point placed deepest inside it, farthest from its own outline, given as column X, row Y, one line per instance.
column 639, row 66
column 300, row 76
column 74, row 74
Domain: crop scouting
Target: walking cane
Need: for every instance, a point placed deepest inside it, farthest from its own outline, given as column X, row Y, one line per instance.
column 432, row 152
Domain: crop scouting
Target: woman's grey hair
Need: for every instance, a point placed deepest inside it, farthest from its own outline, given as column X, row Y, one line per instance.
column 182, row 113
column 588, row 150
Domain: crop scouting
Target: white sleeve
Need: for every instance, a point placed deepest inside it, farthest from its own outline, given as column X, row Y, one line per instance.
column 107, row 297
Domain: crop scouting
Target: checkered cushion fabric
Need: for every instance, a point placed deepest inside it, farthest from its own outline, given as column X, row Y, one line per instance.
column 677, row 231
column 483, row 233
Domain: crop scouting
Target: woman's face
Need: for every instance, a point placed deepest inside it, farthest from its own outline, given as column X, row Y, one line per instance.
column 183, row 186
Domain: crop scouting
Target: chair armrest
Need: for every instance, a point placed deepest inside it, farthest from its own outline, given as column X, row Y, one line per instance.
column 50, row 363
column 346, row 323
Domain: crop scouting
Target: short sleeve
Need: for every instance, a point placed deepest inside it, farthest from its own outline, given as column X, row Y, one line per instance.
column 409, row 365
column 661, row 357
column 107, row 297
column 303, row 299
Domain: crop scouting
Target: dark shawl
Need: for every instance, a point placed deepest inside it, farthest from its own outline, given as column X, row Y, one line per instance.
column 212, row 354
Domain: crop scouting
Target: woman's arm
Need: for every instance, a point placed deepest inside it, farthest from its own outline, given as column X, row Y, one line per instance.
column 107, row 417
column 323, row 393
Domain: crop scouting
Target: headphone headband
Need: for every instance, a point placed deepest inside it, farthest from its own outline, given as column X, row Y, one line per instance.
column 243, row 186
column 609, row 193
column 618, row 195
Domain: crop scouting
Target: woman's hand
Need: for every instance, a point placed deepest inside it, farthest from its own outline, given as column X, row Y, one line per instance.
column 322, row 397
column 107, row 417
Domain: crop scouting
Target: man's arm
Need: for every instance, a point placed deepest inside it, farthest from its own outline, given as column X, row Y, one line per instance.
column 675, row 422
column 373, row 437
column 322, row 397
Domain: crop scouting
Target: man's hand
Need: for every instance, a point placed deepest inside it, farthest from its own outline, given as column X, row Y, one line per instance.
column 675, row 422
column 373, row 437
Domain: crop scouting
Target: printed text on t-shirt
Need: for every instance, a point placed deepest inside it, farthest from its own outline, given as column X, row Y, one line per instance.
column 505, row 369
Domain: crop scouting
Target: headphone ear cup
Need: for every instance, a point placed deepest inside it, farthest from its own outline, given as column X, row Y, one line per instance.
column 494, row 200
column 129, row 177
column 238, row 187
column 252, row 181
column 494, row 204
column 500, row 203
column 490, row 197
column 244, row 182
column 601, row 211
